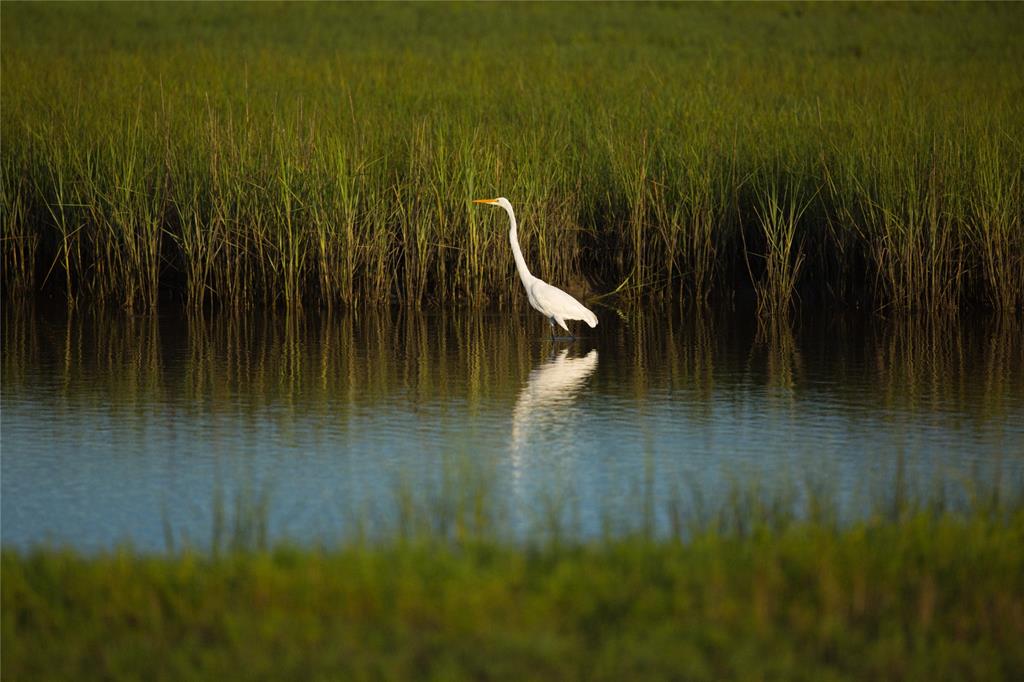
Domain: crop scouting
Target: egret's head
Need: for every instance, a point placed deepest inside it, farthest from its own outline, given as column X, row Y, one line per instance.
column 500, row 201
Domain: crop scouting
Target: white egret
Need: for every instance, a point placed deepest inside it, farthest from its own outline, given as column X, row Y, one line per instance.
column 552, row 302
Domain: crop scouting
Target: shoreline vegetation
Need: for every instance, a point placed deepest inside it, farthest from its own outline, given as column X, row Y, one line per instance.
column 922, row 588
column 325, row 155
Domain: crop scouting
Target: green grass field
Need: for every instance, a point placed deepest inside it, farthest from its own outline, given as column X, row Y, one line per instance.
column 921, row 594
column 321, row 154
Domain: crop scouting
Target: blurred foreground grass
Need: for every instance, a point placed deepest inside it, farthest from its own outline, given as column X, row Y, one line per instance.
column 918, row 593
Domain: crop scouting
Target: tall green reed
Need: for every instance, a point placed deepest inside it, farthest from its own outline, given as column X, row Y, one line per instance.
column 778, row 209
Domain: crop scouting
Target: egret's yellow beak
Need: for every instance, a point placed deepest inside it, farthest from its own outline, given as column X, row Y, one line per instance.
column 485, row 201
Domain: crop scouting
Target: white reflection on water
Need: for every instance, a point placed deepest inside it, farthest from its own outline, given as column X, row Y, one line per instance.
column 544, row 415
column 547, row 423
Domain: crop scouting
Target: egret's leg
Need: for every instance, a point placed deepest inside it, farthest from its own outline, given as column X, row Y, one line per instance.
column 570, row 337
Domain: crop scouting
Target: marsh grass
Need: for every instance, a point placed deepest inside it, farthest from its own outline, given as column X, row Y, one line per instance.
column 778, row 209
column 326, row 155
column 752, row 587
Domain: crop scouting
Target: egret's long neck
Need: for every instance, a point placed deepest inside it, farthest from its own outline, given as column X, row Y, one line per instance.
column 517, row 253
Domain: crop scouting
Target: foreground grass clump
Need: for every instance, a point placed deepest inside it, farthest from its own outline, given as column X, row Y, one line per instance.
column 326, row 154
column 923, row 596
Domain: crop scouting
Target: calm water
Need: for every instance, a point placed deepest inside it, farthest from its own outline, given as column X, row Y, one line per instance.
column 143, row 429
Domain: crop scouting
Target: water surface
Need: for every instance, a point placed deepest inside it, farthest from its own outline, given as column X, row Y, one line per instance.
column 155, row 430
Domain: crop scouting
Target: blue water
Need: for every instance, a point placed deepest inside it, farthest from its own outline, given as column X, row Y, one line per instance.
column 161, row 431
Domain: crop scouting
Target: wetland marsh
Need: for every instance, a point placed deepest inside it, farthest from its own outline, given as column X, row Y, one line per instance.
column 273, row 405
column 326, row 154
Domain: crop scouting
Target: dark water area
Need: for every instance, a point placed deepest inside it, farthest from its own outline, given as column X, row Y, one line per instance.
column 160, row 431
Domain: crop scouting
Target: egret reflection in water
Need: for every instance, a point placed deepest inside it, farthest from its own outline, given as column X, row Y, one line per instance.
column 544, row 415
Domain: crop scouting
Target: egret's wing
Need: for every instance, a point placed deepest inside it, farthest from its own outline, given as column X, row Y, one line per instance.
column 560, row 305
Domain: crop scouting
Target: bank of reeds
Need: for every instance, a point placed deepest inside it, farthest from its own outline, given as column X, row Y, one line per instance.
column 326, row 155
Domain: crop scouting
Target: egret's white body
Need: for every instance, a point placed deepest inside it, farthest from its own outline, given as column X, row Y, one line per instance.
column 550, row 301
